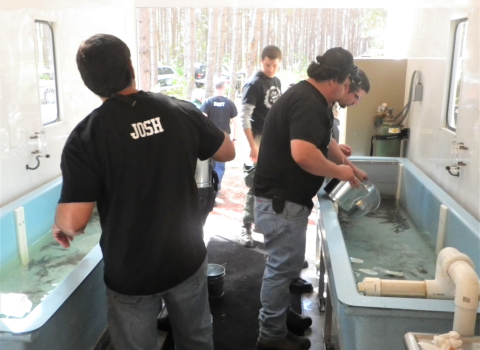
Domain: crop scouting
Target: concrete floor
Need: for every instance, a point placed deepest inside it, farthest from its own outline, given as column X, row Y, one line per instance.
column 218, row 225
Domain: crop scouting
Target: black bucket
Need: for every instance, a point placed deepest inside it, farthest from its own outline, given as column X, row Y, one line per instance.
column 216, row 274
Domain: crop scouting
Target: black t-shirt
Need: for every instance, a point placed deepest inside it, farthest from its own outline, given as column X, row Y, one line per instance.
column 262, row 92
column 220, row 110
column 300, row 114
column 135, row 156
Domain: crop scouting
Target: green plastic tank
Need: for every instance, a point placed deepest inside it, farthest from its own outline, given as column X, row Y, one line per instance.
column 387, row 140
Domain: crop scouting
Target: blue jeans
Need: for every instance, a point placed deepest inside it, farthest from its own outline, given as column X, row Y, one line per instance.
column 220, row 169
column 132, row 320
column 284, row 237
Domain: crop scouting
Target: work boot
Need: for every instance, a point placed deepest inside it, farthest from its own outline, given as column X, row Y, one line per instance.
column 246, row 238
column 290, row 342
column 296, row 323
column 300, row 286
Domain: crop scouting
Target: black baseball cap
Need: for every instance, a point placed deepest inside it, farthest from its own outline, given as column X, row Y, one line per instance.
column 341, row 59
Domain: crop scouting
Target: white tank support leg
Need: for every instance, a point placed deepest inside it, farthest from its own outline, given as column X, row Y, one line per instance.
column 22, row 244
column 442, row 225
column 399, row 183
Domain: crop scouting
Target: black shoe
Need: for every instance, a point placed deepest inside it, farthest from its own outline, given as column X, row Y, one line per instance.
column 290, row 342
column 305, row 264
column 299, row 286
column 296, row 323
column 163, row 324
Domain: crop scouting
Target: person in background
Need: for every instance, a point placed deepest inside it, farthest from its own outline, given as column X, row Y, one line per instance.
column 355, row 93
column 259, row 94
column 197, row 97
column 135, row 157
column 295, row 156
column 222, row 112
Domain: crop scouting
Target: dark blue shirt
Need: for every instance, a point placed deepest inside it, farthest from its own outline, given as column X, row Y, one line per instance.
column 220, row 110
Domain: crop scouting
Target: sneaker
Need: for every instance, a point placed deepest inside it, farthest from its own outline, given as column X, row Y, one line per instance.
column 246, row 238
column 299, row 286
column 290, row 342
column 296, row 323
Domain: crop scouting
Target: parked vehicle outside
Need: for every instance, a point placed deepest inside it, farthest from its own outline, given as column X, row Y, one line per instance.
column 201, row 69
column 166, row 79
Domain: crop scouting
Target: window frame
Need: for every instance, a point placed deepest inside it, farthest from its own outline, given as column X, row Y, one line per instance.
column 456, row 48
column 55, row 73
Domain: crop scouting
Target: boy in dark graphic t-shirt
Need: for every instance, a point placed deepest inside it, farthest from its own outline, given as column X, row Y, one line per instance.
column 259, row 95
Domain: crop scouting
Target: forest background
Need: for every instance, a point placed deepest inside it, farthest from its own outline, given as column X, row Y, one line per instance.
column 234, row 38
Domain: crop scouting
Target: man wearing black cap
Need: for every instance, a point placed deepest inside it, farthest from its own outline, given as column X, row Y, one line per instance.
column 291, row 167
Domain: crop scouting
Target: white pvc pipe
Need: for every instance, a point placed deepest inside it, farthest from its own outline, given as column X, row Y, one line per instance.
column 22, row 244
column 442, row 225
column 399, row 183
column 467, row 291
column 392, row 288
column 455, row 278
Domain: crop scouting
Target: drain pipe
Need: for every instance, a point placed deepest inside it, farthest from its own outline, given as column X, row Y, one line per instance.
column 455, row 278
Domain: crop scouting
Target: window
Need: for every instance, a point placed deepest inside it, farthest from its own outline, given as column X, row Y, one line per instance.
column 456, row 73
column 47, row 77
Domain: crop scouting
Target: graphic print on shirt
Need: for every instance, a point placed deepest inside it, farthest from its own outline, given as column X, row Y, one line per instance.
column 219, row 104
column 146, row 128
column 271, row 96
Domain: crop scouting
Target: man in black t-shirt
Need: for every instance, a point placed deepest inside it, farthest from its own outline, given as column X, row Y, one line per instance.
column 222, row 112
column 259, row 94
column 135, row 156
column 291, row 166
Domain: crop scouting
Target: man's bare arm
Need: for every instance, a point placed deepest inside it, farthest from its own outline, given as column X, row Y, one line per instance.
column 226, row 152
column 336, row 155
column 312, row 160
column 70, row 221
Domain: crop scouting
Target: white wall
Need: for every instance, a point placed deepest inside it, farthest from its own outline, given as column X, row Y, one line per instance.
column 20, row 118
column 425, row 44
column 430, row 142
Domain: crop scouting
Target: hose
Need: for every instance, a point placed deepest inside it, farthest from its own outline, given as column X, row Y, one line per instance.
column 406, row 109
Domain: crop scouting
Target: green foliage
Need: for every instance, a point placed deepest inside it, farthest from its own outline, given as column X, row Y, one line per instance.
column 288, row 77
column 374, row 24
column 46, row 76
column 180, row 88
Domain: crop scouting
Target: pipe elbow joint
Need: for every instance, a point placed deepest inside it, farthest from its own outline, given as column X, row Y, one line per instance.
column 448, row 256
column 467, row 289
